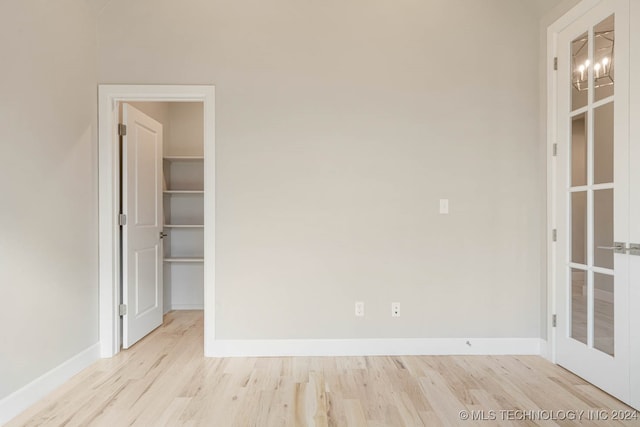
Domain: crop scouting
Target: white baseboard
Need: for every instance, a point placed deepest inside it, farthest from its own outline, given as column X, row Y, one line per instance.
column 545, row 349
column 18, row 401
column 187, row 306
column 375, row 347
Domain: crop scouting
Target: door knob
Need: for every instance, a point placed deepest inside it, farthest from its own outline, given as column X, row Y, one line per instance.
column 621, row 248
column 618, row 248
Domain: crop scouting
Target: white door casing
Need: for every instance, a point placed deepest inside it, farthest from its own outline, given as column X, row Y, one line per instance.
column 142, row 289
column 109, row 98
column 579, row 295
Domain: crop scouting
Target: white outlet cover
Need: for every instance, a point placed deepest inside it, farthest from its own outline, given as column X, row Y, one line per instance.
column 395, row 309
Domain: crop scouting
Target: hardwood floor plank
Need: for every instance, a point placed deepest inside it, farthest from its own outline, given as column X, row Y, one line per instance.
column 354, row 413
column 165, row 381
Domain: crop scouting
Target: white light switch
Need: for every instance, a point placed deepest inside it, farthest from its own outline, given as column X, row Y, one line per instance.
column 359, row 308
column 444, row 206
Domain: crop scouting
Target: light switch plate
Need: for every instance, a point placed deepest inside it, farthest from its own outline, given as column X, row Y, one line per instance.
column 359, row 309
column 444, row 206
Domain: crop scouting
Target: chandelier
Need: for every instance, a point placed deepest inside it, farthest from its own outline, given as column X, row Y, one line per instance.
column 602, row 60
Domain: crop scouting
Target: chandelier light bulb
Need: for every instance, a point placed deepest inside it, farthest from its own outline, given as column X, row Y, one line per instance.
column 596, row 67
column 587, row 63
column 581, row 69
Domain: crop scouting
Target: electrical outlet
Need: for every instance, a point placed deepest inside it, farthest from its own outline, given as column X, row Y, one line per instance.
column 395, row 309
column 359, row 309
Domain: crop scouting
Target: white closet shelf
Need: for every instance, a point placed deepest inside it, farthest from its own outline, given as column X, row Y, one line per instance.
column 184, row 225
column 183, row 191
column 184, row 259
column 183, row 158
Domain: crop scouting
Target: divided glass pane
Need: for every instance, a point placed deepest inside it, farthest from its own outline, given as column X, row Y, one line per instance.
column 579, row 227
column 603, row 227
column 579, row 305
column 579, row 71
column 579, row 150
column 603, row 308
column 603, row 144
column 603, row 58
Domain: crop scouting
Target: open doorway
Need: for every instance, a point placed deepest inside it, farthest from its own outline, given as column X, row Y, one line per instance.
column 186, row 115
column 174, row 260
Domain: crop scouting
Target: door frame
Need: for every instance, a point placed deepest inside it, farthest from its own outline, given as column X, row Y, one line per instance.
column 109, row 97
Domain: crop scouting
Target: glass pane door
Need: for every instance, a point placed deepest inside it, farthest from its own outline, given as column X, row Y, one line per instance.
column 592, row 196
column 591, row 192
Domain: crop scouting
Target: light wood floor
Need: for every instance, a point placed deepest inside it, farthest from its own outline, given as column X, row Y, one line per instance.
column 165, row 381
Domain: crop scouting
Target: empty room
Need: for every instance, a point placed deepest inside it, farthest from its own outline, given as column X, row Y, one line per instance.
column 319, row 213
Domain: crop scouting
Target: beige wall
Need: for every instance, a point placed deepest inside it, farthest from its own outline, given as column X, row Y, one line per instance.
column 48, row 187
column 339, row 126
column 333, row 148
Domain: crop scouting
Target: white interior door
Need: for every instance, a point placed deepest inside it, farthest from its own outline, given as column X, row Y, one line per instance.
column 141, row 235
column 634, row 199
column 592, row 274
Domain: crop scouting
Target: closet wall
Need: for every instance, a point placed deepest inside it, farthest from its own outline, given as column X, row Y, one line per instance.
column 183, row 196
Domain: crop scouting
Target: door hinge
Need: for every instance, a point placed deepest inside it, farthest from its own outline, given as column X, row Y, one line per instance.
column 122, row 309
column 554, row 320
column 555, row 150
column 554, row 235
column 122, row 129
column 555, row 63
column 122, row 220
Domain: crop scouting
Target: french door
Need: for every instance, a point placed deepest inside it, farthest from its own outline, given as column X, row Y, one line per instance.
column 592, row 197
